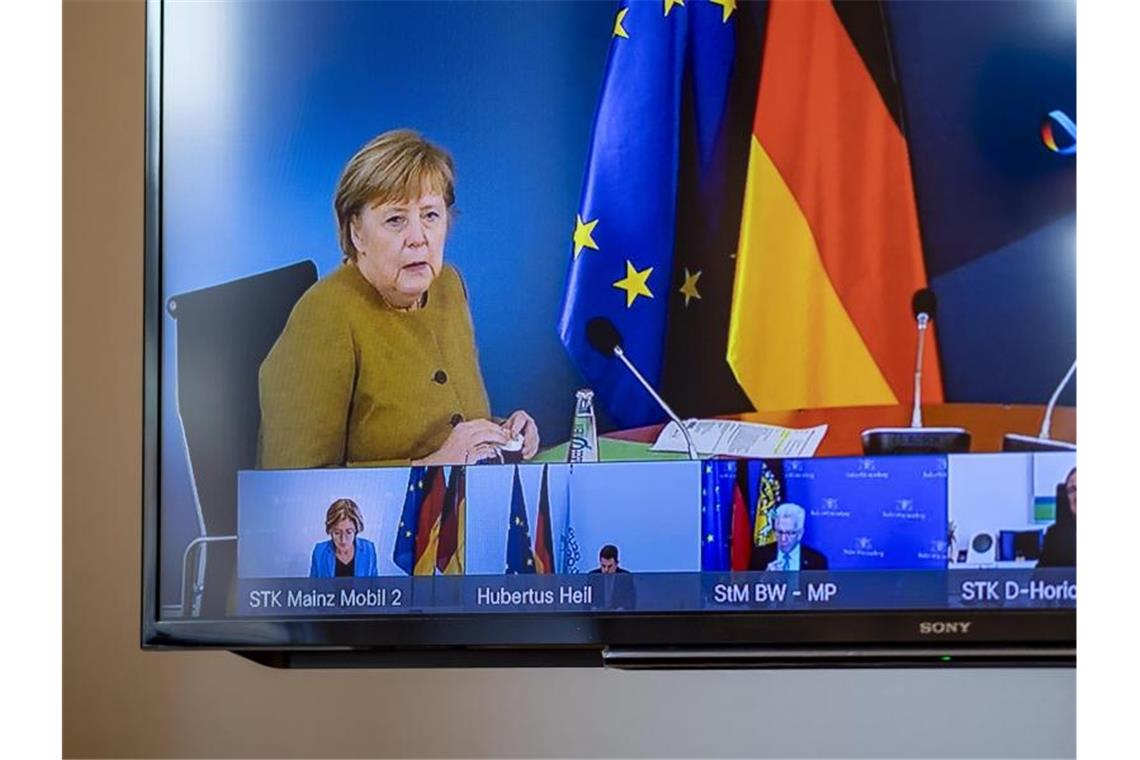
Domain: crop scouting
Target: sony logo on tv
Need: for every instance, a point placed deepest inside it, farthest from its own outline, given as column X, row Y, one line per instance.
column 940, row 627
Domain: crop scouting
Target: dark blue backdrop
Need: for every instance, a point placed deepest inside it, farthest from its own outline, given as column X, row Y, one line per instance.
column 996, row 208
column 873, row 513
column 264, row 101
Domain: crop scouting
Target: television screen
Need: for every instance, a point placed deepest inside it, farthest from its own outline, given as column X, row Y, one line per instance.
column 592, row 328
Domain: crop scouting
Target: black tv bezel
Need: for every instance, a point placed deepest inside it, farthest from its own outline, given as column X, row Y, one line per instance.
column 1038, row 637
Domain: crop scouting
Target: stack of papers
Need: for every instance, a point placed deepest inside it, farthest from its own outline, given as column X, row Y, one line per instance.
column 742, row 439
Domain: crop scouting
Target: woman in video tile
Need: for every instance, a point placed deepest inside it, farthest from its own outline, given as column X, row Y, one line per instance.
column 377, row 363
column 345, row 554
column 1059, row 548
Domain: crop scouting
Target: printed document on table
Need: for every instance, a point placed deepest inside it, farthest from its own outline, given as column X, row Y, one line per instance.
column 742, row 439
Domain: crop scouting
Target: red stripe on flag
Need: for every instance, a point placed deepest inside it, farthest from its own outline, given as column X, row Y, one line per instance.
column 740, row 556
column 449, row 520
column 543, row 537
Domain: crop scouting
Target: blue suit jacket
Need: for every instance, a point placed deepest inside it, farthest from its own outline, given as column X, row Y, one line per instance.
column 324, row 559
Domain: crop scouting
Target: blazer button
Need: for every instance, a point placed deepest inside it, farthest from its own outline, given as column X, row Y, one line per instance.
column 440, row 376
column 456, row 419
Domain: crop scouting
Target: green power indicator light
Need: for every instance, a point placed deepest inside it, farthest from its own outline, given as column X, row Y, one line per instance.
column 945, row 658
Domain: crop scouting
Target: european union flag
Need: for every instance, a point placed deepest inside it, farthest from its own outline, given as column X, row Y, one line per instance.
column 404, row 550
column 667, row 77
column 717, row 480
column 520, row 555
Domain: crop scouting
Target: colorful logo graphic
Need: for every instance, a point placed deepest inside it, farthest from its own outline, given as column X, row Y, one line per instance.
column 1059, row 133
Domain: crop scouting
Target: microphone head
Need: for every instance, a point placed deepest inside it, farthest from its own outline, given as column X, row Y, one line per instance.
column 603, row 336
column 924, row 302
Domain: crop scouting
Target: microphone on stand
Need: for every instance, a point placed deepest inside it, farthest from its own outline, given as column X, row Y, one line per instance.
column 1017, row 442
column 603, row 337
column 924, row 305
column 917, row 439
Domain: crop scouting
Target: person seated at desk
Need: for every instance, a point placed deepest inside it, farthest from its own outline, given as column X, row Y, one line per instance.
column 377, row 362
column 345, row 554
column 1059, row 548
column 788, row 553
column 617, row 591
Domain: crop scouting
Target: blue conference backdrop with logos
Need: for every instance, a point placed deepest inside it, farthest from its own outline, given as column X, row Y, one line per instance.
column 263, row 102
column 873, row 513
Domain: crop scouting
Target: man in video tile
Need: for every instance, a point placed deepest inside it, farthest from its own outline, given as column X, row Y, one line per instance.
column 616, row 588
column 1059, row 549
column 788, row 553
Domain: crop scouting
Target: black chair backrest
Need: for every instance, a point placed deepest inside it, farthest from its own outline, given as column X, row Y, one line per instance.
column 224, row 333
column 1065, row 516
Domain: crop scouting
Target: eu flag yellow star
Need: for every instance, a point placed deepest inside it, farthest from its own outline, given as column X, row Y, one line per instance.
column 619, row 30
column 689, row 289
column 670, row 3
column 727, row 7
column 634, row 283
column 584, row 234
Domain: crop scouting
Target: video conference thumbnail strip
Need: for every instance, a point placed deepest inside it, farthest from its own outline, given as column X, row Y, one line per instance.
column 660, row 592
column 842, row 514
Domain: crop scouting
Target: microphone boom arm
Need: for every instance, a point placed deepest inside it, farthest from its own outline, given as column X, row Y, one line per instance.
column 668, row 409
column 1047, row 422
column 916, row 414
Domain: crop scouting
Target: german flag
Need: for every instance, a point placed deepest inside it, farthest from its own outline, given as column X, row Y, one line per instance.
column 740, row 548
column 829, row 254
column 544, row 534
column 427, row 531
column 451, row 551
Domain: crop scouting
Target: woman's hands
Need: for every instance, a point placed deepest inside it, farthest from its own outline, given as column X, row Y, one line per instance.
column 476, row 440
column 521, row 423
column 468, row 443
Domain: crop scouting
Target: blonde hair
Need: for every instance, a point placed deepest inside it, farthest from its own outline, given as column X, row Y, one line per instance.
column 344, row 509
column 399, row 165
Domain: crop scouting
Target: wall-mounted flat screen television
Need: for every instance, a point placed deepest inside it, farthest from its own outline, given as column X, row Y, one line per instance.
column 649, row 334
